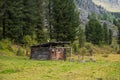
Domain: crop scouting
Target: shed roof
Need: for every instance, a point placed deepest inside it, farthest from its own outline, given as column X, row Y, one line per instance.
column 51, row 44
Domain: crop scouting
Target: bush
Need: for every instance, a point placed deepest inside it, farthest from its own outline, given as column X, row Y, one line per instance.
column 88, row 46
column 10, row 48
column 75, row 47
column 5, row 44
column 28, row 41
column 83, row 51
column 20, row 52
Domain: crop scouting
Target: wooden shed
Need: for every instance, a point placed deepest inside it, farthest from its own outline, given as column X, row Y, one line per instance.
column 49, row 51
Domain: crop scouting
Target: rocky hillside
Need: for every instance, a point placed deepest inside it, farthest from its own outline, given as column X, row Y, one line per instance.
column 86, row 7
column 89, row 6
column 110, row 5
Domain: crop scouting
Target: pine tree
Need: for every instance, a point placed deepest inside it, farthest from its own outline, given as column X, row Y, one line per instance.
column 40, row 21
column 50, row 18
column 11, row 19
column 66, row 20
column 110, row 36
column 119, row 34
column 3, row 16
column 93, row 31
column 81, row 37
column 28, row 18
column 87, row 31
column 115, row 22
column 21, row 18
column 105, row 34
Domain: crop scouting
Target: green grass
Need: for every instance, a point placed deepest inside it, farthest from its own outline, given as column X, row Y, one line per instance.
column 21, row 68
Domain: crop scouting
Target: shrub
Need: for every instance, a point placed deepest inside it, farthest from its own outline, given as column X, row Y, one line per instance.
column 83, row 51
column 10, row 48
column 88, row 46
column 5, row 44
column 28, row 41
column 20, row 52
column 75, row 47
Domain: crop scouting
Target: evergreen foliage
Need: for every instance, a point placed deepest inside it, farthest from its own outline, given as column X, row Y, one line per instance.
column 119, row 34
column 93, row 31
column 96, row 33
column 31, row 21
column 21, row 18
column 110, row 36
column 105, row 34
column 115, row 22
column 81, row 37
column 66, row 20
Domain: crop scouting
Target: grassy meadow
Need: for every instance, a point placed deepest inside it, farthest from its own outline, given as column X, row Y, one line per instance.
column 22, row 68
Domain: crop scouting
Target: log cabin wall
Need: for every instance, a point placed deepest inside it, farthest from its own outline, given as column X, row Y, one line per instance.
column 45, row 53
column 49, row 51
column 40, row 53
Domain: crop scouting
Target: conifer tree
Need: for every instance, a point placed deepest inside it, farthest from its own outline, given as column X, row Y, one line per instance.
column 28, row 18
column 3, row 16
column 115, row 22
column 39, row 29
column 11, row 19
column 119, row 35
column 110, row 36
column 93, row 31
column 66, row 20
column 21, row 18
column 81, row 37
column 105, row 34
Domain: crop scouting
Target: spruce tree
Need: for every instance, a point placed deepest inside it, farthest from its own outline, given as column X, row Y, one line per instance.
column 93, row 31
column 110, row 36
column 11, row 19
column 66, row 20
column 21, row 18
column 39, row 29
column 105, row 34
column 28, row 18
column 3, row 16
column 115, row 22
column 119, row 35
column 87, row 31
column 81, row 37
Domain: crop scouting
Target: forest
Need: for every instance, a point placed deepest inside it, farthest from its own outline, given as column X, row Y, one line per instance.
column 34, row 22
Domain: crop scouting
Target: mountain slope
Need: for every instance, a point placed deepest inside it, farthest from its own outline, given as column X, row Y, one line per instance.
column 110, row 5
column 87, row 7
